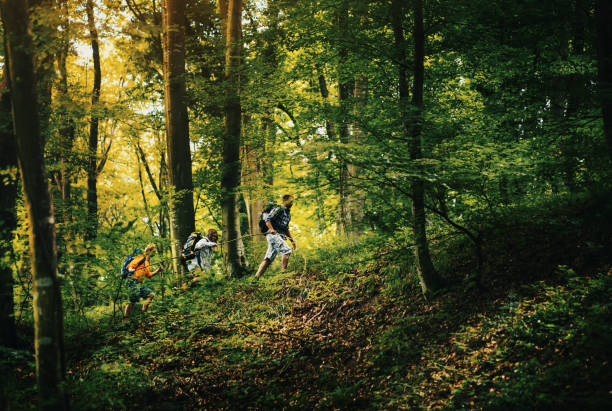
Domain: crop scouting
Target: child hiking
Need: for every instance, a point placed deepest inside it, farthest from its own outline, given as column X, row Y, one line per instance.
column 277, row 224
column 138, row 269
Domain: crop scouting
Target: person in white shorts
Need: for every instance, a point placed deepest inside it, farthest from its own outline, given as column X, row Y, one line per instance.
column 277, row 222
column 203, row 254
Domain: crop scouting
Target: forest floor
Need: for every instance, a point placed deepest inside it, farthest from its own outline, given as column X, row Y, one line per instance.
column 356, row 333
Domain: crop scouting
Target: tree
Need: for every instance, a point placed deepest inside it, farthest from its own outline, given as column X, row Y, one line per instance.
column 412, row 123
column 182, row 216
column 251, row 180
column 345, row 89
column 67, row 127
column 603, row 16
column 48, row 321
column 8, row 219
column 230, row 182
column 92, row 158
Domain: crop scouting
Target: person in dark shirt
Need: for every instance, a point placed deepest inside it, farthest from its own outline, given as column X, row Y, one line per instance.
column 277, row 222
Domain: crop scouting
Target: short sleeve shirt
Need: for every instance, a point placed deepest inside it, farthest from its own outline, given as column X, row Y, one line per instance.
column 279, row 216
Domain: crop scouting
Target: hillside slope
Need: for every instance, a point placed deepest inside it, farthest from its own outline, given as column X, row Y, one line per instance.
column 356, row 333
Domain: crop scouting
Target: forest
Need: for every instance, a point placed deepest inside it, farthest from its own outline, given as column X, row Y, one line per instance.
column 305, row 204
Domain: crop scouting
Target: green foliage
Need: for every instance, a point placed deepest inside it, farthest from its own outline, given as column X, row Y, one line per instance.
column 515, row 167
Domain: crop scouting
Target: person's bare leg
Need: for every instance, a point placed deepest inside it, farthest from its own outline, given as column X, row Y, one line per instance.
column 285, row 262
column 145, row 305
column 262, row 267
column 128, row 310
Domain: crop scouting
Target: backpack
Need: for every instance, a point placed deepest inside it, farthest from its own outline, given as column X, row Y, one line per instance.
column 264, row 214
column 128, row 259
column 188, row 251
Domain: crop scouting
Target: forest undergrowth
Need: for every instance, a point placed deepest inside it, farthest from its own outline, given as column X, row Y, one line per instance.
column 347, row 327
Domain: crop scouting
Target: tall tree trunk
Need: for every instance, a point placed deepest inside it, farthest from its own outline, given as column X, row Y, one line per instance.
column 330, row 127
column 356, row 201
column 230, row 183
column 67, row 127
column 253, row 197
column 48, row 339
column 252, row 159
column 182, row 216
column 44, row 26
column 8, row 218
column 92, row 159
column 413, row 118
column 345, row 88
column 267, row 163
column 603, row 17
column 251, row 181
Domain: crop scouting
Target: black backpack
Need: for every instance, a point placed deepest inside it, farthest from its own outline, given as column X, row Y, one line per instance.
column 188, row 251
column 262, row 217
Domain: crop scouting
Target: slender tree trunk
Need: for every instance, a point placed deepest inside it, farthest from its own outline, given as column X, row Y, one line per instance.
column 330, row 127
column 267, row 163
column 603, row 17
column 48, row 325
column 182, row 216
column 164, row 218
column 253, row 196
column 345, row 88
column 356, row 201
column 92, row 158
column 8, row 218
column 230, row 183
column 252, row 176
column 67, row 127
column 413, row 119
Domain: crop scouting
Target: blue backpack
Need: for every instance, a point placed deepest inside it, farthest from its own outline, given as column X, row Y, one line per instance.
column 128, row 260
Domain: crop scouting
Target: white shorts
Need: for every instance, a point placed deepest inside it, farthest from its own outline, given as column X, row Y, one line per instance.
column 276, row 245
column 193, row 264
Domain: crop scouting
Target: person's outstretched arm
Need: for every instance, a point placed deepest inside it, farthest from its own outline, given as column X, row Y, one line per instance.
column 293, row 243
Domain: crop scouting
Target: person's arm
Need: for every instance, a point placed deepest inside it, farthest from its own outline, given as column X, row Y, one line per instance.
column 291, row 239
column 269, row 218
column 148, row 268
column 206, row 242
column 161, row 267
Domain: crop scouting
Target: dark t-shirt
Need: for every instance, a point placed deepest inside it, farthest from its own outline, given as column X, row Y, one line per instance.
column 279, row 217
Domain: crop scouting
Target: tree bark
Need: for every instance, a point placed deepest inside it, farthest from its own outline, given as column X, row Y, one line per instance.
column 253, row 195
column 345, row 86
column 45, row 35
column 603, row 16
column 413, row 118
column 8, row 218
column 92, row 158
column 182, row 216
column 356, row 201
column 230, row 183
column 48, row 339
column 67, row 127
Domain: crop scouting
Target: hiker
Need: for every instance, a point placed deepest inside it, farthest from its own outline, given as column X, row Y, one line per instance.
column 202, row 254
column 277, row 222
column 138, row 269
